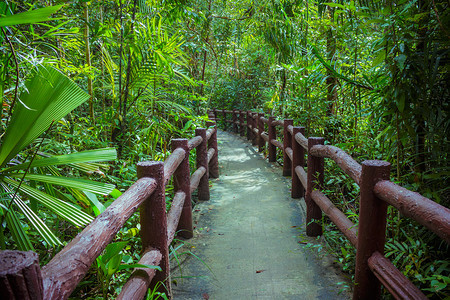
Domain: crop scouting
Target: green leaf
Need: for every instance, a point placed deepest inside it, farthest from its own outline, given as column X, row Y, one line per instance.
column 49, row 96
column 34, row 220
column 115, row 193
column 96, row 205
column 73, row 159
column 113, row 264
column 132, row 266
column 61, row 208
column 81, row 184
column 112, row 250
column 18, row 233
column 31, row 16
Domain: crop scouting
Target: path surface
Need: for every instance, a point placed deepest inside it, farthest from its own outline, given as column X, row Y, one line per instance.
column 246, row 237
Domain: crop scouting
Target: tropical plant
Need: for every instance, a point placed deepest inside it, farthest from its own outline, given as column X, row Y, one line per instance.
column 47, row 97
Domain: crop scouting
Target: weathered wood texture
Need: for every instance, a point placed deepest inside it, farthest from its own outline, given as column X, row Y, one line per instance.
column 202, row 162
column 20, row 275
column 63, row 273
column 173, row 218
column 301, row 140
column 212, row 144
column 265, row 137
column 277, row 144
column 181, row 180
column 336, row 216
column 172, row 162
column 278, row 122
column 211, row 153
column 300, row 171
column 371, row 229
column 289, row 153
column 154, row 221
column 194, row 142
column 261, row 141
column 315, row 177
column 137, row 286
column 342, row 159
column 196, row 177
column 272, row 137
column 298, row 160
column 394, row 280
column 417, row 207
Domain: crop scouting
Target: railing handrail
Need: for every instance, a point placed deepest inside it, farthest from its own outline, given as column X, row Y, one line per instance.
column 428, row 213
column 61, row 275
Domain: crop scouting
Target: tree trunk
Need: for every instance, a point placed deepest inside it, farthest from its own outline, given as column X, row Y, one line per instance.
column 331, row 80
column 88, row 63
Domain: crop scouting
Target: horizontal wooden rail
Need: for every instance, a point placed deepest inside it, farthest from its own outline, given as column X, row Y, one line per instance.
column 209, row 133
column 173, row 216
column 301, row 140
column 300, row 171
column 211, row 153
column 338, row 217
column 195, row 178
column 265, row 136
column 278, row 122
column 136, row 287
column 277, row 144
column 194, row 142
column 172, row 162
column 417, row 207
column 289, row 152
column 394, row 281
column 342, row 159
column 63, row 273
column 264, row 120
column 290, row 129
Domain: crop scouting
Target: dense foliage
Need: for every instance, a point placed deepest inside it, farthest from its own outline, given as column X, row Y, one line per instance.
column 127, row 76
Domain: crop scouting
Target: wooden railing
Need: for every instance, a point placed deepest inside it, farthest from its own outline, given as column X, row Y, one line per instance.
column 22, row 278
column 376, row 193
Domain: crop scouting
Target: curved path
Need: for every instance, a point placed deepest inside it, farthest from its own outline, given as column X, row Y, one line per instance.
column 247, row 235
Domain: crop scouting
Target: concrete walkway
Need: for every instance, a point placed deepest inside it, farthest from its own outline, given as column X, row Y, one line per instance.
column 246, row 237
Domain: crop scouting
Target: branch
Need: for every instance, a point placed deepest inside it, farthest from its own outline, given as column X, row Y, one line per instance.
column 204, row 40
column 229, row 18
column 17, row 77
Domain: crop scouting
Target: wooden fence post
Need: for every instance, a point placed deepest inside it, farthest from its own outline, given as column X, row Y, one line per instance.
column 20, row 275
column 212, row 143
column 298, row 159
column 248, row 125
column 234, row 120
column 315, row 181
column 154, row 222
column 287, row 143
column 182, row 182
column 254, row 125
column 242, row 123
column 225, row 123
column 261, row 140
column 202, row 161
column 371, row 228
column 272, row 136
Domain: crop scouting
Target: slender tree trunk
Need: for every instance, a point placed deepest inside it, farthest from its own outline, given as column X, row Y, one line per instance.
column 331, row 80
column 88, row 63
column 423, row 38
column 205, row 54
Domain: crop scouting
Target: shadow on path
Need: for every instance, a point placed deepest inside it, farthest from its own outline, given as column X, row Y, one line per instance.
column 246, row 237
